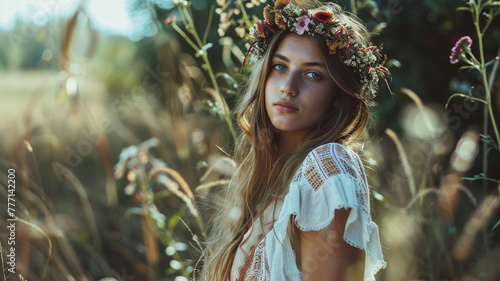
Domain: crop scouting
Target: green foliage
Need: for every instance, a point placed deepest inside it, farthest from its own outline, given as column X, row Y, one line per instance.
column 481, row 177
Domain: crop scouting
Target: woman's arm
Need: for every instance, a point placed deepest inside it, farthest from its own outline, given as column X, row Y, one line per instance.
column 324, row 255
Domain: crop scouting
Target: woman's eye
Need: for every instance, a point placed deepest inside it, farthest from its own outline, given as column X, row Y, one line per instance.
column 279, row 66
column 314, row 75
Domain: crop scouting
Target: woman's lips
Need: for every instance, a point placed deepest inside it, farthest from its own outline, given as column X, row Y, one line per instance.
column 285, row 106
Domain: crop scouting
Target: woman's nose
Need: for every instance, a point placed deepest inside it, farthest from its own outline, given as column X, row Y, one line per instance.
column 289, row 84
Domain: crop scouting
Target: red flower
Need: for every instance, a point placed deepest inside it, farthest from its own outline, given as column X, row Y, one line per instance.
column 279, row 21
column 268, row 16
column 260, row 29
column 280, row 4
column 273, row 30
column 323, row 16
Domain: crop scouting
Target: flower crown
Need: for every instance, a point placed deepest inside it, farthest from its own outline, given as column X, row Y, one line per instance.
column 362, row 59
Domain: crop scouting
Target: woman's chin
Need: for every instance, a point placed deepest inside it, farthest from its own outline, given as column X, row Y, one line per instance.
column 284, row 127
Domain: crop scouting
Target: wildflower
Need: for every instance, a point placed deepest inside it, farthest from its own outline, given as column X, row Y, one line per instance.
column 131, row 177
column 323, row 16
column 302, row 24
column 223, row 17
column 256, row 2
column 461, row 47
column 170, row 20
column 268, row 17
column 260, row 29
column 320, row 28
column 223, row 27
column 272, row 29
column 279, row 21
column 335, row 45
column 240, row 31
column 280, row 4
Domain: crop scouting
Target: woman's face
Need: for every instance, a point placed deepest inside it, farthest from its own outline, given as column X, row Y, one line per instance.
column 298, row 90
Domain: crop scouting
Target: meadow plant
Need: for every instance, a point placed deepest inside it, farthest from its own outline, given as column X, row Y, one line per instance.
column 201, row 47
column 149, row 180
column 483, row 13
column 462, row 52
column 444, row 237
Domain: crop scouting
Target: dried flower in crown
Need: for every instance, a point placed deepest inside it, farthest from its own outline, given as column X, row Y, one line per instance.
column 364, row 60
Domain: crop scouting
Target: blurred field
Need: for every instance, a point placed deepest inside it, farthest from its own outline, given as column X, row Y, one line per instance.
column 119, row 146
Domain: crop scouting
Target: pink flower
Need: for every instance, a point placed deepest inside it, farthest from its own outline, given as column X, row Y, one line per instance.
column 461, row 47
column 302, row 24
column 170, row 20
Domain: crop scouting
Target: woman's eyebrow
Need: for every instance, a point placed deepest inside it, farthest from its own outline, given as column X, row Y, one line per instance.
column 311, row 63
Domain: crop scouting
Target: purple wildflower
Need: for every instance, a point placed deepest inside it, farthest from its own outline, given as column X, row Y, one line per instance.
column 462, row 46
column 302, row 24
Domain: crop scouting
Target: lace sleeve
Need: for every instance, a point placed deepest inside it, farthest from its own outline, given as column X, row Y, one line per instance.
column 330, row 178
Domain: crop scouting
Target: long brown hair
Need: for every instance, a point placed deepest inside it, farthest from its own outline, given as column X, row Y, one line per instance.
column 259, row 179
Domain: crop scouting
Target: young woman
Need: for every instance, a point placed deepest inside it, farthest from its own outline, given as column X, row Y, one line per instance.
column 298, row 207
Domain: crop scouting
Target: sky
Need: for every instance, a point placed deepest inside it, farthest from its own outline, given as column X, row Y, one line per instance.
column 109, row 16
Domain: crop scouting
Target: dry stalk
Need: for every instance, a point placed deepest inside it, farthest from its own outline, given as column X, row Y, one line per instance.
column 211, row 184
column 187, row 197
column 474, row 226
column 87, row 208
column 105, row 155
column 404, row 160
column 151, row 244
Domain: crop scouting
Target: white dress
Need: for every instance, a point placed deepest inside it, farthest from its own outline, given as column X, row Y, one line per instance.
column 331, row 177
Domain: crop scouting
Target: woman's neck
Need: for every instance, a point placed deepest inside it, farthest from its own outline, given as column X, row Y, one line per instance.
column 289, row 142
